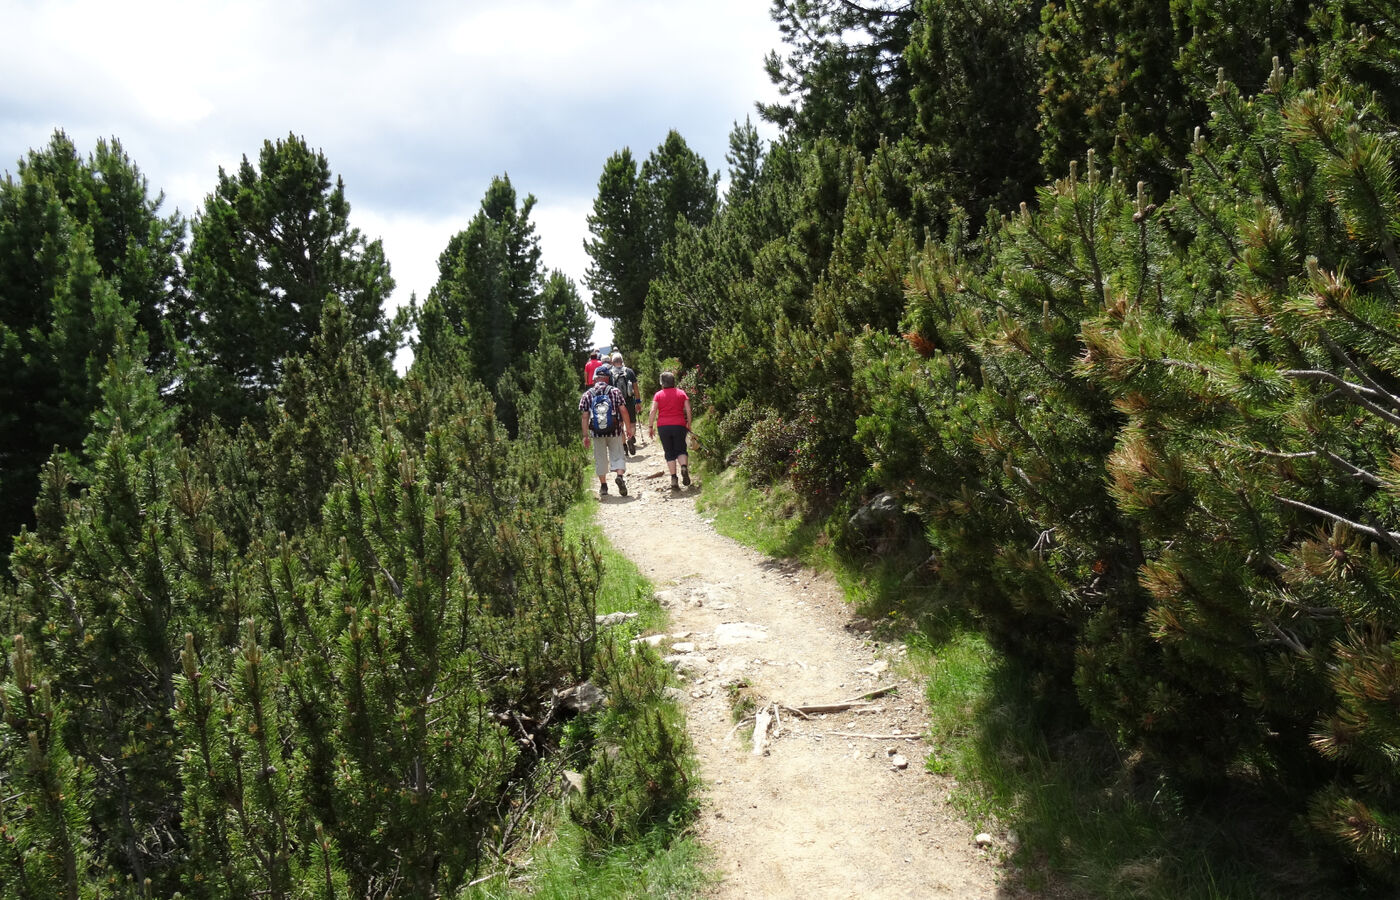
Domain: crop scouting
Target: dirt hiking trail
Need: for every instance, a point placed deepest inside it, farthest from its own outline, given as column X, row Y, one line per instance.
column 836, row 805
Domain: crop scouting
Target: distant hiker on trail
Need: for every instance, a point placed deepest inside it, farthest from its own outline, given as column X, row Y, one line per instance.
column 590, row 367
column 670, row 414
column 604, row 418
column 625, row 380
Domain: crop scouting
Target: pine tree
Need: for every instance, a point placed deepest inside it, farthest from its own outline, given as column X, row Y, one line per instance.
column 975, row 73
column 43, row 824
column 272, row 245
column 745, row 159
column 636, row 216
column 103, row 584
column 82, row 261
column 488, row 291
column 844, row 71
column 620, row 253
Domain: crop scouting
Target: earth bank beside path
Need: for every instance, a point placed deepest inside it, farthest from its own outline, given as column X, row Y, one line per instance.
column 838, row 804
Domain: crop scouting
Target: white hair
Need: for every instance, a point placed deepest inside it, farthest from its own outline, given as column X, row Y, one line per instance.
column 617, row 358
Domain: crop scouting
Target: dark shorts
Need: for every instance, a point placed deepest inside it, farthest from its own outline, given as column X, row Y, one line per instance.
column 672, row 440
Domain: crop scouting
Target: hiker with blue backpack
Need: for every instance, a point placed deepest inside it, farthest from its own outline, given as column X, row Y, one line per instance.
column 606, row 421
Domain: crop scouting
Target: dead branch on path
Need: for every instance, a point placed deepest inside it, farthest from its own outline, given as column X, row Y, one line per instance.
column 874, row 693
column 875, row 737
column 861, row 701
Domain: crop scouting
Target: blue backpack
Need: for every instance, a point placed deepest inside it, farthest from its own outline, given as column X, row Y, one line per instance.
column 602, row 412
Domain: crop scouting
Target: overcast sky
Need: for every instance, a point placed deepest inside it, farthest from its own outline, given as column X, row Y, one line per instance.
column 415, row 104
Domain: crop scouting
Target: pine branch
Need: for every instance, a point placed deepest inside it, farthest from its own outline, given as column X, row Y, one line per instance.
column 1215, row 225
column 1288, row 640
column 1355, row 391
column 1353, row 470
column 1392, row 538
column 73, row 610
column 1340, row 352
column 1341, row 464
column 1316, row 612
column 1087, row 229
column 1067, row 261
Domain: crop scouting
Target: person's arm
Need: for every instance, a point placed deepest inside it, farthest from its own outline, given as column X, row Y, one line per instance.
column 687, row 413
column 583, row 424
column 651, row 428
column 628, row 428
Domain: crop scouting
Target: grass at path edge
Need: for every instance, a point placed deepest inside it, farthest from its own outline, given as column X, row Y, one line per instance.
column 666, row 862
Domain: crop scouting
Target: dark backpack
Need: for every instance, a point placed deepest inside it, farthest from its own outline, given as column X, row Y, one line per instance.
column 602, row 412
column 625, row 381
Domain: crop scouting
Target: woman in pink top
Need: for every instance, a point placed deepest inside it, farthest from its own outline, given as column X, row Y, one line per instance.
column 670, row 415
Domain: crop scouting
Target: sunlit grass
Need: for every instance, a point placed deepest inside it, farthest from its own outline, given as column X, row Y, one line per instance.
column 661, row 866
column 1074, row 816
column 624, row 588
column 768, row 521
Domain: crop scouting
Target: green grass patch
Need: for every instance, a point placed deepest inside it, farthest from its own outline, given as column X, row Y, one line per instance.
column 624, row 588
column 742, row 702
column 660, row 865
column 769, row 521
column 1085, row 821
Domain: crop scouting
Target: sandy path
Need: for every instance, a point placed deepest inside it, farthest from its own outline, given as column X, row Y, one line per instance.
column 819, row 814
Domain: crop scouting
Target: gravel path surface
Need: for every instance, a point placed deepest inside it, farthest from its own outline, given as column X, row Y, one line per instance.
column 836, row 804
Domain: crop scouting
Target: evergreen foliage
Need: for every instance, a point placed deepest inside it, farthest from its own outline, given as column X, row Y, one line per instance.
column 316, row 651
column 1103, row 295
column 844, row 71
column 638, row 212
column 271, row 247
column 975, row 75
column 86, row 261
column 620, row 252
column 1146, row 421
column 493, row 306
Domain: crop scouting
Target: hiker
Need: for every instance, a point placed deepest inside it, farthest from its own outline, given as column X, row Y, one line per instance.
column 625, row 380
column 670, row 414
column 590, row 367
column 604, row 418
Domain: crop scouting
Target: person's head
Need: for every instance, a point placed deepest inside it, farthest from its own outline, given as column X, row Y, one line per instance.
column 617, row 359
column 668, row 379
column 593, row 355
column 602, row 374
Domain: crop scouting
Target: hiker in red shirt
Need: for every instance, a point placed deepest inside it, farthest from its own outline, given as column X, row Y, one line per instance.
column 670, row 415
column 590, row 367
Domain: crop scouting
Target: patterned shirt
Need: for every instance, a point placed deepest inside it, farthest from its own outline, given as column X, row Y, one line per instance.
column 585, row 403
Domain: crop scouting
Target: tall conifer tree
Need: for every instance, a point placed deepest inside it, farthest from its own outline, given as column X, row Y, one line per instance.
column 272, row 245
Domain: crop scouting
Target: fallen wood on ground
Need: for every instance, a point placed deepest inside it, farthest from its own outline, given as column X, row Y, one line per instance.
column 875, row 737
column 760, row 730
column 860, row 702
column 818, row 708
column 872, row 694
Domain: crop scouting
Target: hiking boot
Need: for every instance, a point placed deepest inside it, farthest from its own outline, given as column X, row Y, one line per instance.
column 685, row 475
column 621, row 486
column 632, row 446
column 603, row 489
column 675, row 485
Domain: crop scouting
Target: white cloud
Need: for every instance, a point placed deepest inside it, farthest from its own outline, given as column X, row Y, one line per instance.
column 416, row 104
